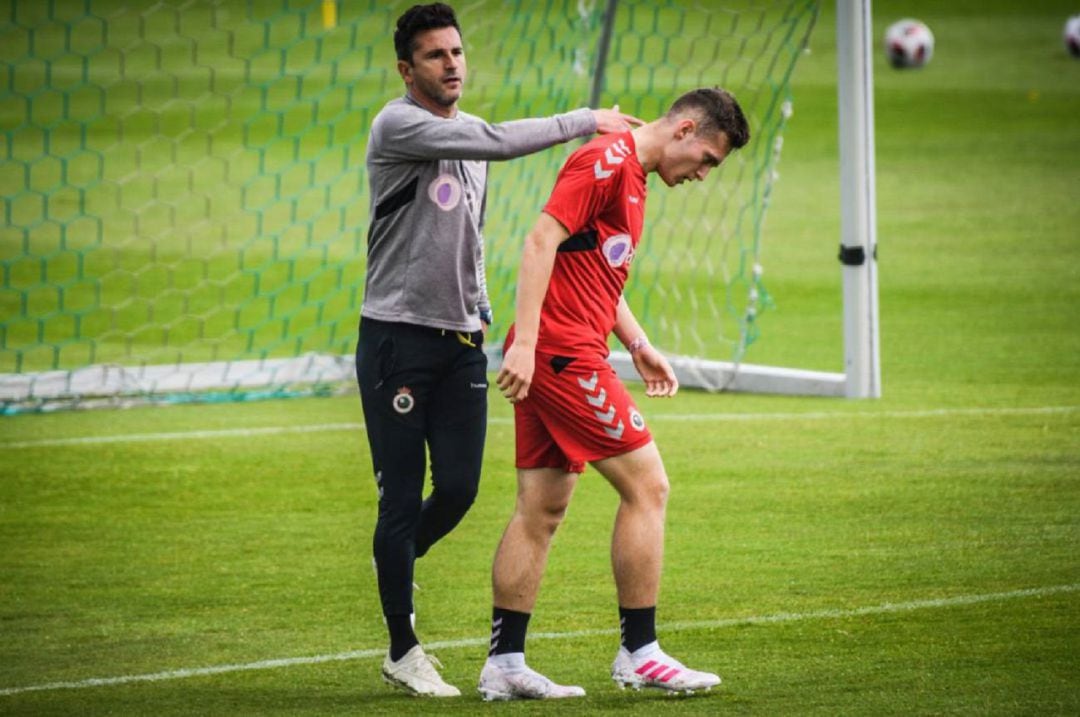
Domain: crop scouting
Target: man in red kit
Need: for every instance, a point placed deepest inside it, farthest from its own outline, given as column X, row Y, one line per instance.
column 570, row 408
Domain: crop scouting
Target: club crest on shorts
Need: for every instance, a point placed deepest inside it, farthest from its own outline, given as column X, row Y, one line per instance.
column 636, row 420
column 403, row 400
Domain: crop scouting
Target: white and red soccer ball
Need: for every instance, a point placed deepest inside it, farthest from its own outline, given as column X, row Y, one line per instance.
column 909, row 43
column 1072, row 35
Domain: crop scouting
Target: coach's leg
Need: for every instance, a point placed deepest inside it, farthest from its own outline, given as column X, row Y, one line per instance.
column 394, row 424
column 456, row 430
column 637, row 546
column 398, row 456
column 542, row 498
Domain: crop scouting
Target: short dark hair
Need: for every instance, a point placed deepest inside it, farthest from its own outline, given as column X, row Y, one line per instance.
column 716, row 111
column 417, row 19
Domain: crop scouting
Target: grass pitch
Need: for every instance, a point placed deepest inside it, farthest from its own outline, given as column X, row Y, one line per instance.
column 825, row 557
column 912, row 555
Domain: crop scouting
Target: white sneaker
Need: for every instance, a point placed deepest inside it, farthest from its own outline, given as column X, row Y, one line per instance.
column 415, row 672
column 650, row 666
column 523, row 683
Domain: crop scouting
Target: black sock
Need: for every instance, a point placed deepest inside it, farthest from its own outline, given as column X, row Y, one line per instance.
column 508, row 631
column 638, row 626
column 402, row 637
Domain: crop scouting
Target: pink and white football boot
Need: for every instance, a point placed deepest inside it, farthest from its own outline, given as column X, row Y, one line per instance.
column 650, row 666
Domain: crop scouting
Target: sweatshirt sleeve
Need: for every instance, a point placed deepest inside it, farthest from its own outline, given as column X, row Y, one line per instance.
column 411, row 133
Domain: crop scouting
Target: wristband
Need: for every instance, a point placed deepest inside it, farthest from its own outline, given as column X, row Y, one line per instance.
column 637, row 344
column 487, row 316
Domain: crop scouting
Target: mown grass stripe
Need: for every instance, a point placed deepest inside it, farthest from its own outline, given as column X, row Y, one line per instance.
column 776, row 618
column 183, row 435
column 721, row 417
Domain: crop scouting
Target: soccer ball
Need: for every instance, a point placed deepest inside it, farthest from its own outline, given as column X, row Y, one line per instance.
column 1072, row 35
column 909, row 43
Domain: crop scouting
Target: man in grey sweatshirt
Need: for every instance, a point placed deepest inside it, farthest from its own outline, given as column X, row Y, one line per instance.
column 419, row 360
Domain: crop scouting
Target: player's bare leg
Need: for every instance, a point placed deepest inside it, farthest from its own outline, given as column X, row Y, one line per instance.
column 637, row 556
column 542, row 498
column 637, row 545
column 543, row 495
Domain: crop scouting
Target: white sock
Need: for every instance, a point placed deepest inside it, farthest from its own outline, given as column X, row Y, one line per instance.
column 646, row 650
column 509, row 661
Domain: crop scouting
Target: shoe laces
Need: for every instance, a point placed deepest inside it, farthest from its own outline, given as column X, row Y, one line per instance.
column 532, row 681
column 670, row 661
column 426, row 665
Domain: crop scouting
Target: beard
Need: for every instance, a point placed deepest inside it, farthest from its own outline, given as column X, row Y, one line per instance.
column 438, row 92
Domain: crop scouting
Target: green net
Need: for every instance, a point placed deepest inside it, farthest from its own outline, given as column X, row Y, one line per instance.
column 185, row 202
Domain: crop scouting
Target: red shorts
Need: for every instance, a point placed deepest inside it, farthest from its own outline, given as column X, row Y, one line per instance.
column 575, row 413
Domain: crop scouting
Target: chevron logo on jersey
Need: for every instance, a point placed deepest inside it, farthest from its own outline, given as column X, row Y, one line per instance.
column 613, row 156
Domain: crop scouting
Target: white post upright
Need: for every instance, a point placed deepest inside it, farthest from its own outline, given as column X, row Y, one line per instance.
column 858, row 220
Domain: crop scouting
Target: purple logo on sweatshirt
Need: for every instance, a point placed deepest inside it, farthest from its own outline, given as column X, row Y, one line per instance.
column 445, row 191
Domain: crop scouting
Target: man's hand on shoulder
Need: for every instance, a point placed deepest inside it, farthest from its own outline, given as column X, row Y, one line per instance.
column 612, row 120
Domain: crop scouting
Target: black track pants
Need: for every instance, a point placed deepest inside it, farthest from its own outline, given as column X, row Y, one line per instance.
column 420, row 388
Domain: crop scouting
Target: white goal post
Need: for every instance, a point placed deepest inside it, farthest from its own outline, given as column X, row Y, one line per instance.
column 858, row 201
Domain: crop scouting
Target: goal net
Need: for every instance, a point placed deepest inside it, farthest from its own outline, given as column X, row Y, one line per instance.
column 185, row 201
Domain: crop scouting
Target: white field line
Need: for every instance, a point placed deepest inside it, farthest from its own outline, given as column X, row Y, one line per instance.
column 862, row 415
column 184, row 435
column 720, row 417
column 775, row 618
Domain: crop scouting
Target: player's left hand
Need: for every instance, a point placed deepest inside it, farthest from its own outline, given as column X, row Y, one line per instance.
column 656, row 372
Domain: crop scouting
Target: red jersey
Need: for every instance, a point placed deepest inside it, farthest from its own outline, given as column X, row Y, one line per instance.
column 599, row 197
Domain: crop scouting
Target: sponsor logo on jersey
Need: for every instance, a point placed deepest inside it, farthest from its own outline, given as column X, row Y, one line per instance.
column 445, row 191
column 636, row 421
column 617, row 249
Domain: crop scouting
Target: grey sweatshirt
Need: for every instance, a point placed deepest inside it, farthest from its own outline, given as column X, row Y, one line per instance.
column 428, row 180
